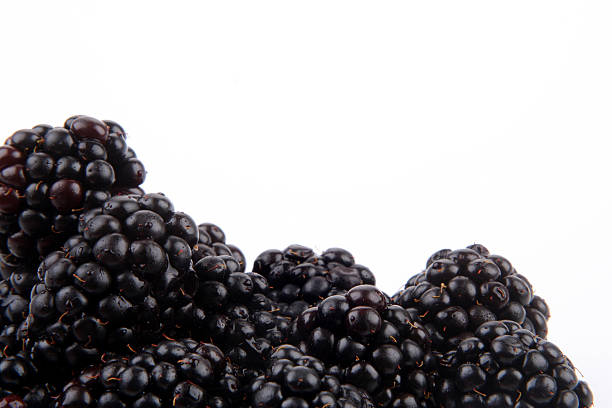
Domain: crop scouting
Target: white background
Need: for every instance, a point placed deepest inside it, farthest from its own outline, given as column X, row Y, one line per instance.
column 392, row 129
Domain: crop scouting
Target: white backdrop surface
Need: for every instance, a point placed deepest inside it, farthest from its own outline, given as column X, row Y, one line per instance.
column 392, row 129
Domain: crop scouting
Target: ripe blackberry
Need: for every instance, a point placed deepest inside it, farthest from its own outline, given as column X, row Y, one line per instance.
column 459, row 290
column 300, row 278
column 106, row 289
column 180, row 374
column 295, row 380
column 48, row 176
column 376, row 346
column 506, row 366
column 212, row 243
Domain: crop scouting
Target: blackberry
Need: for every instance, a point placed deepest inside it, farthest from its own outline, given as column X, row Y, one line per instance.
column 106, row 289
column 173, row 373
column 506, row 366
column 212, row 243
column 371, row 344
column 48, row 176
column 300, row 278
column 459, row 290
column 296, row 380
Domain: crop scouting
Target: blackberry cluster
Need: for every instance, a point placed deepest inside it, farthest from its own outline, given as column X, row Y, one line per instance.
column 296, row 380
column 299, row 278
column 462, row 289
column 106, row 290
column 371, row 344
column 179, row 374
column 48, row 176
column 506, row 366
column 110, row 298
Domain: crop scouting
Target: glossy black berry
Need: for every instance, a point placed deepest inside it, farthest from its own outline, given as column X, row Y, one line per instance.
column 462, row 289
column 107, row 289
column 61, row 171
column 300, row 278
column 504, row 365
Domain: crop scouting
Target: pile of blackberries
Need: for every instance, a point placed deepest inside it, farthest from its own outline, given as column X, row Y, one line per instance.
column 111, row 298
